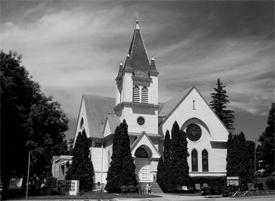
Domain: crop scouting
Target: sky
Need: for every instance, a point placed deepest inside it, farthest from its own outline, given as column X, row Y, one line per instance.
column 75, row 47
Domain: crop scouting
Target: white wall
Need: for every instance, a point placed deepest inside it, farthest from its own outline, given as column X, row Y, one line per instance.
column 212, row 129
column 149, row 114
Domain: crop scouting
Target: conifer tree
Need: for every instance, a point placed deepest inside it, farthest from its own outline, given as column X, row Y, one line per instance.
column 179, row 153
column 164, row 166
column 122, row 167
column 82, row 167
column 267, row 147
column 240, row 157
column 219, row 106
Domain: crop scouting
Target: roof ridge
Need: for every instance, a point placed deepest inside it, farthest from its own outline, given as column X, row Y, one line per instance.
column 97, row 96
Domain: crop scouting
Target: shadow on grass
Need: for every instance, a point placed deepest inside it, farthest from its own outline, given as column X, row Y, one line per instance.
column 86, row 195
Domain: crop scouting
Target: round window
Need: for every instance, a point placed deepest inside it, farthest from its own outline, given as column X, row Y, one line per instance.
column 140, row 121
column 193, row 132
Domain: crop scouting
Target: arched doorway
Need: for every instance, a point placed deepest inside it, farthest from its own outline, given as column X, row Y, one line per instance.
column 142, row 163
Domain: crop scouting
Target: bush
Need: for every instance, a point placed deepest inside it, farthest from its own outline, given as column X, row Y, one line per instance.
column 51, row 182
column 270, row 182
column 220, row 182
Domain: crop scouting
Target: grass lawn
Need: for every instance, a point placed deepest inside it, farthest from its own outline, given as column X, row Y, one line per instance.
column 87, row 195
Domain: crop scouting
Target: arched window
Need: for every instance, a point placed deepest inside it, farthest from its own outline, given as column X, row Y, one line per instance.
column 136, row 94
column 141, row 153
column 144, row 95
column 205, row 161
column 194, row 158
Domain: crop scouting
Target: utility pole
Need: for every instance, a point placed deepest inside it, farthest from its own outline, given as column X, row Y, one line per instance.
column 28, row 175
column 255, row 162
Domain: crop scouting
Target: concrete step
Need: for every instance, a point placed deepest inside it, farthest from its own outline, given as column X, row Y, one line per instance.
column 154, row 186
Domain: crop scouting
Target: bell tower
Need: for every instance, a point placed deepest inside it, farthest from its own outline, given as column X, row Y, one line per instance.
column 137, row 88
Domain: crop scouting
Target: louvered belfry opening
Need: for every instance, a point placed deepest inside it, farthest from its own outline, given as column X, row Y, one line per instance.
column 144, row 95
column 136, row 95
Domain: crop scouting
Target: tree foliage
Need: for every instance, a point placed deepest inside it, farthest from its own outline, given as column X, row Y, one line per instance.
column 82, row 167
column 266, row 148
column 240, row 157
column 179, row 153
column 30, row 121
column 173, row 169
column 122, row 167
column 164, row 166
column 219, row 105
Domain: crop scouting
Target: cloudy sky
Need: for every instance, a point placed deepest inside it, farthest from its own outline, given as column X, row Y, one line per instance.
column 75, row 47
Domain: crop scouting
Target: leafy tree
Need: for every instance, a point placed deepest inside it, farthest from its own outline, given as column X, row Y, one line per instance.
column 82, row 167
column 46, row 127
column 71, row 144
column 122, row 167
column 179, row 153
column 21, row 103
column 266, row 148
column 250, row 147
column 219, row 106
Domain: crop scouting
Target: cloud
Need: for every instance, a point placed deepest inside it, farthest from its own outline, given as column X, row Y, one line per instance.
column 72, row 48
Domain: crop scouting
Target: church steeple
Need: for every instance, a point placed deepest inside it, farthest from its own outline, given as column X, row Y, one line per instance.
column 138, row 61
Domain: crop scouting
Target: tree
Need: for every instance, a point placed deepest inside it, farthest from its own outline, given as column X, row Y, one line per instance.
column 21, row 103
column 179, row 154
column 82, row 167
column 122, row 167
column 71, row 144
column 164, row 166
column 219, row 106
column 266, row 148
column 240, row 157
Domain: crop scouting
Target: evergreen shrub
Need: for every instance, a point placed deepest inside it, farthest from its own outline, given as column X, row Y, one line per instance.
column 51, row 182
column 220, row 182
column 270, row 182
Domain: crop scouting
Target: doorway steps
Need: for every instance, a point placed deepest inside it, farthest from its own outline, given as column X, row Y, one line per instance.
column 154, row 186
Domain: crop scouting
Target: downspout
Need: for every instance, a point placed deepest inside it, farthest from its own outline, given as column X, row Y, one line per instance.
column 101, row 164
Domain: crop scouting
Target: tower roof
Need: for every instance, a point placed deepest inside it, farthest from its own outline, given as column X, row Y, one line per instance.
column 137, row 59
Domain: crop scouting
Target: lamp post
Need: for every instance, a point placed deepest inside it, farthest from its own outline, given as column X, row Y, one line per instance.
column 28, row 175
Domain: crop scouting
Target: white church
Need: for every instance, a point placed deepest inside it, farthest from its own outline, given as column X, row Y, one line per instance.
column 137, row 102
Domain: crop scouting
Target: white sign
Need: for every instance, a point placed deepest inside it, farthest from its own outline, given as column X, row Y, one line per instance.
column 232, row 181
column 184, row 188
column 68, row 187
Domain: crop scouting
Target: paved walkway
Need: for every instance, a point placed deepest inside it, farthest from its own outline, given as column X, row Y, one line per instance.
column 171, row 197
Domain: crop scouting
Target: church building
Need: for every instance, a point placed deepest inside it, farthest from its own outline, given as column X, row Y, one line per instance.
column 148, row 120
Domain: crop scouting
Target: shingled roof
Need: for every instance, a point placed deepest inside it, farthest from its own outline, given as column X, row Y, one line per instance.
column 137, row 59
column 97, row 109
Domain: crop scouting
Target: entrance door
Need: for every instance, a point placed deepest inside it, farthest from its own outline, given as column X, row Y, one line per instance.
column 142, row 169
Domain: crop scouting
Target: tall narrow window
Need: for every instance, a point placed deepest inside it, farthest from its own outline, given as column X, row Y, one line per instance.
column 194, row 159
column 144, row 95
column 136, row 94
column 205, row 161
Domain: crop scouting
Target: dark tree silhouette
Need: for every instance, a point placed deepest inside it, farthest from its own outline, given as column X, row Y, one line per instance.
column 219, row 105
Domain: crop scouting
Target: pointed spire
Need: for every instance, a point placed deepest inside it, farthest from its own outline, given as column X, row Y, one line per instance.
column 137, row 26
column 119, row 75
column 153, row 69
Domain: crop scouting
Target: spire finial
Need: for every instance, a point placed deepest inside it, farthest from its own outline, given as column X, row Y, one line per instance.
column 137, row 26
column 153, row 57
column 120, row 63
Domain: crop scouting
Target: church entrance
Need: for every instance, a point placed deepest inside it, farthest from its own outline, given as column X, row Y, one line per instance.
column 142, row 164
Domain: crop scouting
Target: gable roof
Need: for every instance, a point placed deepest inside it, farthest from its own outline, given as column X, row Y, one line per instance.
column 150, row 145
column 170, row 106
column 113, row 121
column 97, row 108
